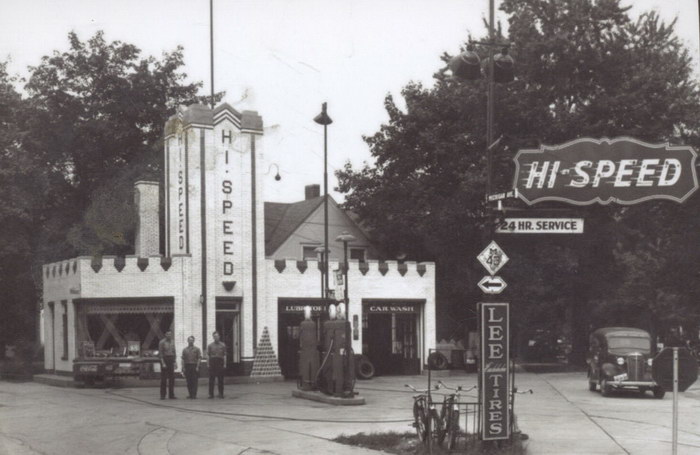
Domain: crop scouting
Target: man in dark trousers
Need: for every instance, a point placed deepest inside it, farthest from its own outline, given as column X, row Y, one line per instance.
column 216, row 352
column 166, row 352
column 191, row 357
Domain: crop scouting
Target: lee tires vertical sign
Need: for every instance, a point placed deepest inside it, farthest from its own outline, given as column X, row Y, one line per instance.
column 495, row 369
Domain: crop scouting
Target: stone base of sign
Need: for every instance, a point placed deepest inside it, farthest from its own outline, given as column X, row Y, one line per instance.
column 328, row 399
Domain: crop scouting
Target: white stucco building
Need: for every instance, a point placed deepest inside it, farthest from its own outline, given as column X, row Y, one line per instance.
column 232, row 263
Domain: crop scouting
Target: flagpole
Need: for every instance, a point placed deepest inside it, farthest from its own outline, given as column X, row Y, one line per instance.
column 211, row 49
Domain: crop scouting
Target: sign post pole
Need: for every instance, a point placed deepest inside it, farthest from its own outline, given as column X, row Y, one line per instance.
column 675, row 401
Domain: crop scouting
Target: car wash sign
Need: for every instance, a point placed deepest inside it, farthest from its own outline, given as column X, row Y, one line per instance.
column 621, row 170
column 495, row 369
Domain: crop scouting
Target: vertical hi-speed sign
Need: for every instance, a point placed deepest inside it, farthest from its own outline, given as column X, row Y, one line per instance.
column 495, row 371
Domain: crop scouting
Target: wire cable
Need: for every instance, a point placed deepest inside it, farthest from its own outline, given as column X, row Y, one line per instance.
column 258, row 416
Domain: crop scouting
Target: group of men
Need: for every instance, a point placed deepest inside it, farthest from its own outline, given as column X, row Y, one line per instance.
column 191, row 360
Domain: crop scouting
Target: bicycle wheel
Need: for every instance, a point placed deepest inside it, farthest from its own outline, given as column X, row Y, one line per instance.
column 437, row 432
column 444, row 417
column 419, row 419
column 452, row 429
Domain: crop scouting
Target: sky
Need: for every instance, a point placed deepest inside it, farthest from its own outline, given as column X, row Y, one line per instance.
column 283, row 58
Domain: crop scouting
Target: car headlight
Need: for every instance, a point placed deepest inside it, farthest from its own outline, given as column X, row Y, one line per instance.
column 650, row 362
column 620, row 361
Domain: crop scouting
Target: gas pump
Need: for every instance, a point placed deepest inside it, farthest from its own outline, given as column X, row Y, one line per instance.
column 337, row 375
column 308, row 353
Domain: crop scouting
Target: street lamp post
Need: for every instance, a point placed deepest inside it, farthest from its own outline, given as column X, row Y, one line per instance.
column 325, row 120
column 466, row 66
column 321, row 255
column 346, row 238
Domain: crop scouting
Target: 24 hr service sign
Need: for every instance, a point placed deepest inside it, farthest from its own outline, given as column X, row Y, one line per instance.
column 622, row 170
column 495, row 366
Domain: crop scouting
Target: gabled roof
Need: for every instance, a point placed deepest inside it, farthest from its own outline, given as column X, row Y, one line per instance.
column 282, row 219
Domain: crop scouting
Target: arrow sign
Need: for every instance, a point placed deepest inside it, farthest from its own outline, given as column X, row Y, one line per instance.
column 492, row 284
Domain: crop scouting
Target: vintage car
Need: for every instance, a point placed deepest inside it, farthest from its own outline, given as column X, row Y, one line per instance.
column 620, row 358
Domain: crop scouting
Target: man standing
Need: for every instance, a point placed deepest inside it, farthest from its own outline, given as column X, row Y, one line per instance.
column 167, row 353
column 216, row 352
column 191, row 356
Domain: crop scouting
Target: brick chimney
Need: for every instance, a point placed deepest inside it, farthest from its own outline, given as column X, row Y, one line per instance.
column 147, row 221
column 312, row 191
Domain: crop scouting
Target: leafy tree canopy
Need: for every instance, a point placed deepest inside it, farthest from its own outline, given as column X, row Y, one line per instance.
column 90, row 125
column 583, row 68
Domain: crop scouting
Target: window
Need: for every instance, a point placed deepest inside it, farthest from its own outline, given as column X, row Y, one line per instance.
column 358, row 253
column 309, row 252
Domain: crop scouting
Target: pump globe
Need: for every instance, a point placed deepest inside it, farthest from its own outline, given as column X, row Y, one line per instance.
column 332, row 312
column 307, row 312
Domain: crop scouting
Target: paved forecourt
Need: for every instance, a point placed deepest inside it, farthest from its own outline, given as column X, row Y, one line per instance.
column 264, row 418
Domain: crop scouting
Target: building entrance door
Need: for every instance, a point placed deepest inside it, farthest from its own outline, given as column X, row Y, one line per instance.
column 228, row 324
column 390, row 336
column 288, row 335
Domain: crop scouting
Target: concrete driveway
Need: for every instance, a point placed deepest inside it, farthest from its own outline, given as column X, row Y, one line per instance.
column 561, row 417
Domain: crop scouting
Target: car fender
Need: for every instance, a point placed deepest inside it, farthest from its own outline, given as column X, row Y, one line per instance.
column 609, row 369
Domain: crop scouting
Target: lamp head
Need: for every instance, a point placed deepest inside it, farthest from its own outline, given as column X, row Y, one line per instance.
column 467, row 65
column 323, row 118
column 345, row 237
column 503, row 65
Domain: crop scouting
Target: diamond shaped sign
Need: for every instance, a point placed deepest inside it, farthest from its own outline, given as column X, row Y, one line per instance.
column 492, row 258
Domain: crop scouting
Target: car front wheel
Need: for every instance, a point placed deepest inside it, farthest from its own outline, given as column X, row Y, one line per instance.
column 605, row 389
column 659, row 392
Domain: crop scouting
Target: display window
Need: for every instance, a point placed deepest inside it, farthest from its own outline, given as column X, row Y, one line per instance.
column 121, row 328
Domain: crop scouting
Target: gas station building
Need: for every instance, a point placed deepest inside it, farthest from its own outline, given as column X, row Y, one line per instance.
column 232, row 263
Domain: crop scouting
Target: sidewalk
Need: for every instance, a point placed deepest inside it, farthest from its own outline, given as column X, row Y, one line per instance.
column 556, row 426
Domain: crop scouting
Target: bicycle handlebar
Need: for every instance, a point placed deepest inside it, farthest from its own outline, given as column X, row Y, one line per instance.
column 456, row 389
column 419, row 391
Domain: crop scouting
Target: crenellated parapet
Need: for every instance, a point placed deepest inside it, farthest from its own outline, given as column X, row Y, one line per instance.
column 366, row 268
column 107, row 265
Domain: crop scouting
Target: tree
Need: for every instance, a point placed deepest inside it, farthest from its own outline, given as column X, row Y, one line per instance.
column 102, row 106
column 583, row 68
column 24, row 185
column 93, row 119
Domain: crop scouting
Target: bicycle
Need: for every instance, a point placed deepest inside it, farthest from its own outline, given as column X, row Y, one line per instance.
column 426, row 420
column 449, row 414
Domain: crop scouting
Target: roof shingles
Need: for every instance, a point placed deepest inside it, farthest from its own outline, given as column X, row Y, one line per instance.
column 282, row 219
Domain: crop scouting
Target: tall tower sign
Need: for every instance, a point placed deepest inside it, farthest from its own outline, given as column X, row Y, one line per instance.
column 214, row 211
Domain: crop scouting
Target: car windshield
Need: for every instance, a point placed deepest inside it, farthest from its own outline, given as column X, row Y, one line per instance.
column 625, row 345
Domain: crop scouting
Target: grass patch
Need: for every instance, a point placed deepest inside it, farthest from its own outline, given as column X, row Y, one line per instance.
column 408, row 444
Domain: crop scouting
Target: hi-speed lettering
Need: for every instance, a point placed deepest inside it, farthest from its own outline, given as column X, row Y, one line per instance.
column 589, row 174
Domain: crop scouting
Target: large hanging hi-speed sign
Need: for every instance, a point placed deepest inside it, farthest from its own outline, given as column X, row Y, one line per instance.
column 622, row 170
